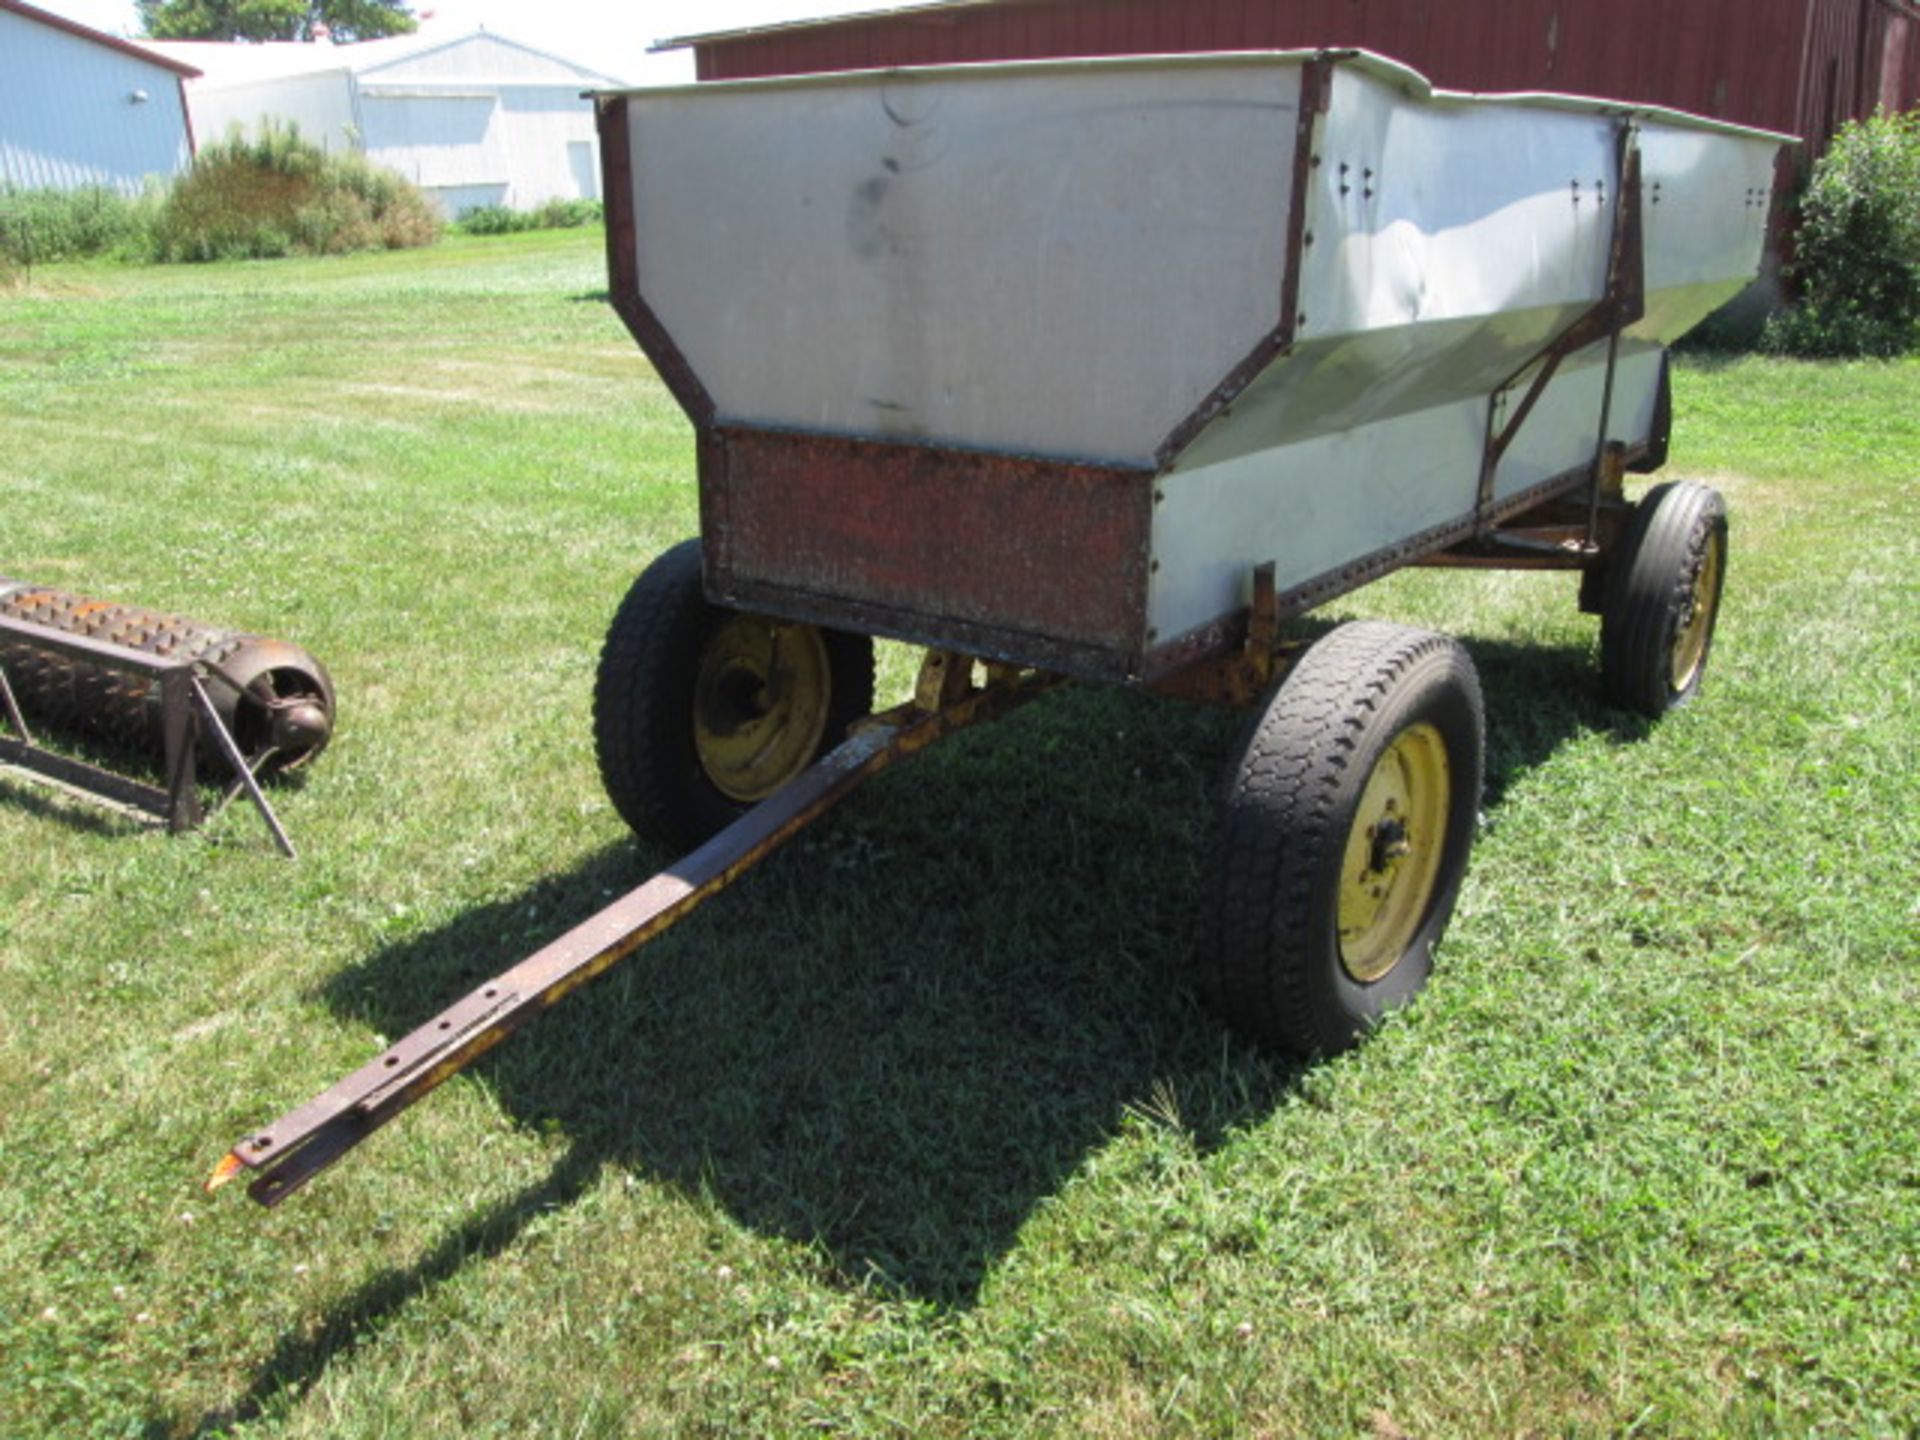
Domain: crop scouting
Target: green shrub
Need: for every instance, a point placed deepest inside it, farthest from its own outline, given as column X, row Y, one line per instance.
column 277, row 194
column 552, row 215
column 1857, row 267
column 568, row 214
column 494, row 220
column 41, row 225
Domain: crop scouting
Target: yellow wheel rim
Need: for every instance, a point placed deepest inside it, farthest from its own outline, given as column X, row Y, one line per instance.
column 1392, row 859
column 760, row 705
column 1690, row 639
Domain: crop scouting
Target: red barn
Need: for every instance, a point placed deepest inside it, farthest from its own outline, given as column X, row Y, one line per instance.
column 1802, row 66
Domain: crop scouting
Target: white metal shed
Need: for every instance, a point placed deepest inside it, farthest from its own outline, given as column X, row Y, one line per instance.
column 80, row 108
column 475, row 120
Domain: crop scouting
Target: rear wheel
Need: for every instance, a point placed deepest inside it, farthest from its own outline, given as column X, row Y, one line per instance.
column 1663, row 597
column 700, row 712
column 1348, row 820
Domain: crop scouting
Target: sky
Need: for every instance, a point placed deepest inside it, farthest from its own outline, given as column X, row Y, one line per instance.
column 608, row 35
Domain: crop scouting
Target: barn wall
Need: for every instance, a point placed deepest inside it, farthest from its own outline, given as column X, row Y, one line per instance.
column 67, row 119
column 1795, row 65
column 484, row 121
column 320, row 105
column 485, row 56
column 514, row 145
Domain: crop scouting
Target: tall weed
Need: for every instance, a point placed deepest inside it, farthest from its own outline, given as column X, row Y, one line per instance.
column 41, row 225
column 276, row 194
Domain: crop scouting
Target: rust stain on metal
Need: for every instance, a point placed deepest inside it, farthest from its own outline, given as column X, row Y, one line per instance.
column 1237, row 677
column 1316, row 87
column 1623, row 302
column 932, row 538
column 624, row 265
column 293, row 1149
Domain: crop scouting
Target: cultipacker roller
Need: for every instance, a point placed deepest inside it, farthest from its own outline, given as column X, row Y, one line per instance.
column 140, row 680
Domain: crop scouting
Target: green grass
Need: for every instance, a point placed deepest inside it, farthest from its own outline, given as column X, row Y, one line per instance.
column 918, row 1131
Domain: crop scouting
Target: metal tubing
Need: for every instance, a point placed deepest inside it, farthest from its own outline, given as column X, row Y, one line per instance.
column 1623, row 304
column 14, row 717
column 242, row 771
column 176, row 729
column 305, row 1141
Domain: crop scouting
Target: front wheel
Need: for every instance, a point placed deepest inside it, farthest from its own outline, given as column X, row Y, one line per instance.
column 1348, row 819
column 1663, row 597
column 700, row 712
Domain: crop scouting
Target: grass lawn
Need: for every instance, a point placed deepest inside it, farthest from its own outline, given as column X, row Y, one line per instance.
column 919, row 1131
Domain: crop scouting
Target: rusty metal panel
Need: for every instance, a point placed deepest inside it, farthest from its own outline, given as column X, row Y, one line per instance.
column 1026, row 560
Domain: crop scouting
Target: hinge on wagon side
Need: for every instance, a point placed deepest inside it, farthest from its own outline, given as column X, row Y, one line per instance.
column 945, row 679
column 1241, row 677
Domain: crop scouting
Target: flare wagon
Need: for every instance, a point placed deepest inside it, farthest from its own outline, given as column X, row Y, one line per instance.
column 1102, row 370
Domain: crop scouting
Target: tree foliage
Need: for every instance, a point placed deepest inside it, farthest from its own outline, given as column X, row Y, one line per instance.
column 273, row 19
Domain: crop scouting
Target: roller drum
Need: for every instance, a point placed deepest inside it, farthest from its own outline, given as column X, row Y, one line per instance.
column 270, row 694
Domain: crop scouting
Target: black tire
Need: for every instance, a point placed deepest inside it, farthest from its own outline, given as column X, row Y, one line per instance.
column 644, row 701
column 1663, row 598
column 1279, row 970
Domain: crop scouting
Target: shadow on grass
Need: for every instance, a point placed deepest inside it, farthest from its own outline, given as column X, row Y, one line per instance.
column 84, row 810
column 904, row 1032
column 39, row 797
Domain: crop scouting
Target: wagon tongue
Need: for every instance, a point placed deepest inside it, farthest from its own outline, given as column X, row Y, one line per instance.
column 305, row 1141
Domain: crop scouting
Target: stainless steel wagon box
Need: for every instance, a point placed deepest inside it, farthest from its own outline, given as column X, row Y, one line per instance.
column 1102, row 369
column 1044, row 359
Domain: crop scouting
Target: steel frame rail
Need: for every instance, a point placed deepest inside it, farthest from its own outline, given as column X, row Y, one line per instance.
column 307, row 1140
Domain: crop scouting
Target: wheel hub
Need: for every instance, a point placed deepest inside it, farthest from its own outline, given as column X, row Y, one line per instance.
column 1392, row 858
column 760, row 705
column 1690, row 636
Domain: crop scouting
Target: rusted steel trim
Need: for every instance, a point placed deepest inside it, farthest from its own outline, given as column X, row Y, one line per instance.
column 1220, row 639
column 1034, row 560
column 1622, row 303
column 1626, row 280
column 99, row 652
column 1316, row 89
column 293, row 1149
column 988, row 642
column 96, row 781
column 623, row 263
column 1316, row 97
column 1209, row 641
column 1563, row 534
column 1243, row 674
column 710, row 470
